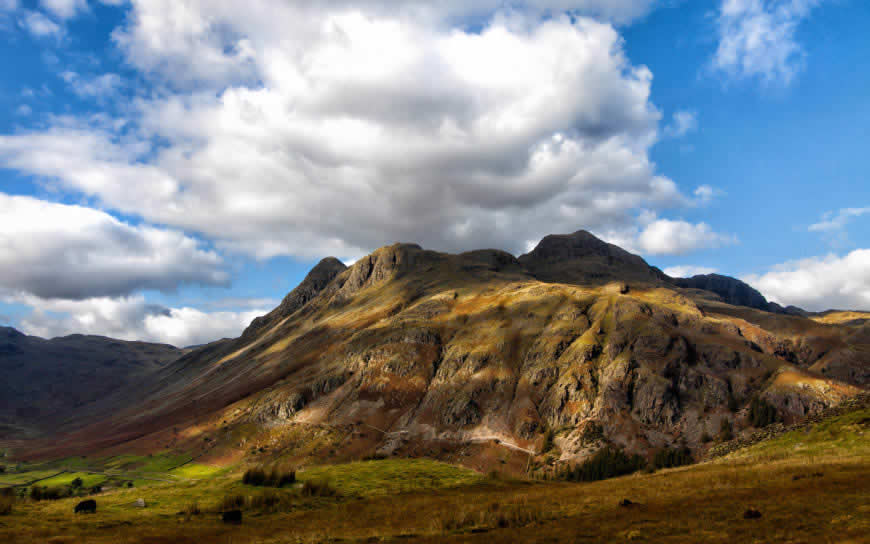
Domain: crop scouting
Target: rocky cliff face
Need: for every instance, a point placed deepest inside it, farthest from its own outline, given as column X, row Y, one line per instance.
column 414, row 352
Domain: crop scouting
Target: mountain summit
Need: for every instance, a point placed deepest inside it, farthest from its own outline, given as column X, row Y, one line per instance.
column 582, row 258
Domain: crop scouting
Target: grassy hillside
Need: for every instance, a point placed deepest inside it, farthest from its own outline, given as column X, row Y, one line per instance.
column 809, row 486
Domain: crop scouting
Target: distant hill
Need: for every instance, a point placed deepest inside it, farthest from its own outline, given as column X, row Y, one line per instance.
column 45, row 382
column 578, row 344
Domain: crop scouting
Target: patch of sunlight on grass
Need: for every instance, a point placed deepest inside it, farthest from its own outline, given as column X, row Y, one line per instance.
column 17, row 478
column 843, row 435
column 195, row 471
column 88, row 480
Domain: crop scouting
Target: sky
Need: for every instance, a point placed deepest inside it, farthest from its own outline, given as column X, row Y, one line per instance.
column 170, row 169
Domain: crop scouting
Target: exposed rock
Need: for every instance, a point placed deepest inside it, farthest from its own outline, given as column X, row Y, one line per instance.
column 318, row 278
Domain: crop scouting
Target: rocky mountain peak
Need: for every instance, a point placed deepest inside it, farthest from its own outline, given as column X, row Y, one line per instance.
column 732, row 291
column 317, row 279
column 581, row 257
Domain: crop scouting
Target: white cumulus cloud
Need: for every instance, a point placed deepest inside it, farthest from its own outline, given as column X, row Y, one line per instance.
column 677, row 237
column 130, row 318
column 296, row 128
column 819, row 283
column 652, row 235
column 55, row 250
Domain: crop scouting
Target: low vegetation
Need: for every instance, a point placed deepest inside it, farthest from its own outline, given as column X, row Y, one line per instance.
column 495, row 515
column 608, row 462
column 7, row 500
column 269, row 477
column 762, row 413
column 6, row 503
column 318, row 488
column 673, row 457
column 726, row 431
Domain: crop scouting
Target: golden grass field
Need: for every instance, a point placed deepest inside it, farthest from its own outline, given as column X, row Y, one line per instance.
column 810, row 486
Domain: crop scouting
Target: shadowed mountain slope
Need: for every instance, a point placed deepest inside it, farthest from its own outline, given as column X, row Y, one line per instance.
column 479, row 357
column 46, row 381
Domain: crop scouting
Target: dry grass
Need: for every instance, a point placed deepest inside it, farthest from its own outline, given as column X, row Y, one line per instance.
column 689, row 504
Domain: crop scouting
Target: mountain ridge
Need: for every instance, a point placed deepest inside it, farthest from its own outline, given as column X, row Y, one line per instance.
column 445, row 353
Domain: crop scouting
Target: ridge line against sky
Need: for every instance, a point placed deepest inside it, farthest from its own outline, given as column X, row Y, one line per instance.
column 170, row 169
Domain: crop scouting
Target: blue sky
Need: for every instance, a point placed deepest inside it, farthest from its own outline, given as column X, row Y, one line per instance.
column 168, row 170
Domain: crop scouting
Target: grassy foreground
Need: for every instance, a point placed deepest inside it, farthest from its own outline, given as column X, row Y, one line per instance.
column 809, row 486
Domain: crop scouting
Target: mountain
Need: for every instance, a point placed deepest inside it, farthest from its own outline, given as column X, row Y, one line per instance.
column 44, row 381
column 581, row 258
column 482, row 358
column 736, row 292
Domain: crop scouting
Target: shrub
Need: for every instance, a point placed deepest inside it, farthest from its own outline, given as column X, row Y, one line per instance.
column 606, row 463
column 315, row 488
column 96, row 489
column 232, row 502
column 254, row 476
column 592, row 432
column 272, row 501
column 77, row 483
column 495, row 515
column 2, row 469
column 673, row 457
column 192, row 509
column 762, row 413
column 725, row 431
column 272, row 478
column 548, row 441
column 6, row 505
column 48, row 493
